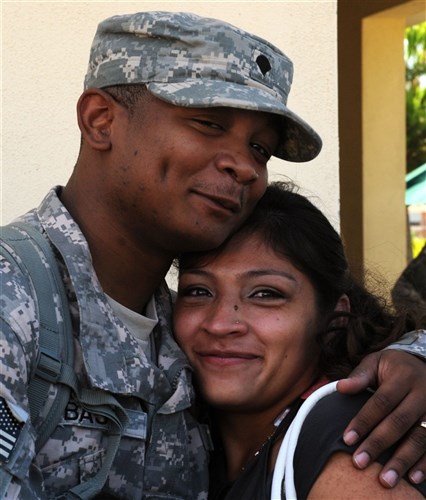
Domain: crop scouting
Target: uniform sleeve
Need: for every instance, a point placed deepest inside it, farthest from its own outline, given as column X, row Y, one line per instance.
column 18, row 348
column 412, row 342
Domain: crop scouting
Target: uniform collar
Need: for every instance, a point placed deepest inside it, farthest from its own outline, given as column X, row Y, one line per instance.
column 112, row 357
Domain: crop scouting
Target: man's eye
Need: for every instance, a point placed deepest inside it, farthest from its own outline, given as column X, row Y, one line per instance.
column 209, row 124
column 261, row 150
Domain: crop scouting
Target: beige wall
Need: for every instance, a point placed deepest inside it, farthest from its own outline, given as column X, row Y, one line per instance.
column 384, row 145
column 45, row 51
column 372, row 131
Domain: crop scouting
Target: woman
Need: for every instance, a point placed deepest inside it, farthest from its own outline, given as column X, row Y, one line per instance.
column 265, row 319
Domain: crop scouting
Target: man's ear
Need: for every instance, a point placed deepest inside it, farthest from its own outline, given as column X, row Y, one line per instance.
column 95, row 111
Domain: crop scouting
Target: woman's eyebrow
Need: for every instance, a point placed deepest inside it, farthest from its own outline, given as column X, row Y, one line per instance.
column 253, row 273
column 189, row 270
column 274, row 272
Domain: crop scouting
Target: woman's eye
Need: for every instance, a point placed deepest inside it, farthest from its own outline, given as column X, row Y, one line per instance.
column 195, row 292
column 262, row 151
column 267, row 293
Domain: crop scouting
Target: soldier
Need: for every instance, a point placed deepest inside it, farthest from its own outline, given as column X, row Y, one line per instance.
column 179, row 117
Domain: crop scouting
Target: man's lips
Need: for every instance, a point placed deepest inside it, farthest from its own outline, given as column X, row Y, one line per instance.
column 231, row 204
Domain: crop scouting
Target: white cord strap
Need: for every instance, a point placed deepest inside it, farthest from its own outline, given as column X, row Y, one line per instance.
column 284, row 464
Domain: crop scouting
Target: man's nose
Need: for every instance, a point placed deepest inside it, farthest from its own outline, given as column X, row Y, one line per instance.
column 241, row 166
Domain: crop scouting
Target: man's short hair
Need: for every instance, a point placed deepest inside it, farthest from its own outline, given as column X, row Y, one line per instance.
column 128, row 95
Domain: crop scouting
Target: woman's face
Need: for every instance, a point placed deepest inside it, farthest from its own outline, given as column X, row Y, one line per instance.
column 247, row 321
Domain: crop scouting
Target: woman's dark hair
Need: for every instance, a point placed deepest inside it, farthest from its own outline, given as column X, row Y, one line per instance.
column 292, row 226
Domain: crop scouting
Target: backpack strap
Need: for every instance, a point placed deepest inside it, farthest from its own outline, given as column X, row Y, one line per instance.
column 104, row 404
column 55, row 362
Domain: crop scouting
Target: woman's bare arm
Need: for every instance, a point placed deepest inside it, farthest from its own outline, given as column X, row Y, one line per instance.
column 341, row 480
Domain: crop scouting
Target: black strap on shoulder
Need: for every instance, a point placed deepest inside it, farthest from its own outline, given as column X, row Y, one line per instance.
column 56, row 351
column 55, row 363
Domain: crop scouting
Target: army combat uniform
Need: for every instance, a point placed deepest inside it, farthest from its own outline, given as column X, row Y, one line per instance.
column 161, row 452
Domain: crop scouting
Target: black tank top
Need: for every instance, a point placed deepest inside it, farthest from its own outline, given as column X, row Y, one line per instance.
column 255, row 481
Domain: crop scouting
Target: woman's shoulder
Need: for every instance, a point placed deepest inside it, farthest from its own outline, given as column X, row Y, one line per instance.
column 321, row 435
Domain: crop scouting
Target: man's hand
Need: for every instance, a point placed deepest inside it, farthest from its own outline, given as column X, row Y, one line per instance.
column 395, row 410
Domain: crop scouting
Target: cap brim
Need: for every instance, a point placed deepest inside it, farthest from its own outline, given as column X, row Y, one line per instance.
column 299, row 141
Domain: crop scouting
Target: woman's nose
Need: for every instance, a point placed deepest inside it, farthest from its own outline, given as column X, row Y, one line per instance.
column 224, row 320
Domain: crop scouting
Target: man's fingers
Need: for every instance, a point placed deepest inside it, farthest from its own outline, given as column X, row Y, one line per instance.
column 417, row 473
column 371, row 415
column 396, row 406
column 393, row 412
column 412, row 449
column 364, row 375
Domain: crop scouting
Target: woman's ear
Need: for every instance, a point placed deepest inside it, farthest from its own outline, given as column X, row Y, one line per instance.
column 95, row 112
column 343, row 304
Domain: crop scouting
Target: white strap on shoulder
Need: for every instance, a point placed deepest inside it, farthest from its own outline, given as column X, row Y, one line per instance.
column 284, row 464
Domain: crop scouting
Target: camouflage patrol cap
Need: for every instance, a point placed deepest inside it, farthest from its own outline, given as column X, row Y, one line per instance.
column 188, row 60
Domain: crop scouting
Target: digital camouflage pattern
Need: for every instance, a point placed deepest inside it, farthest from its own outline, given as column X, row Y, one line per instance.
column 161, row 453
column 194, row 61
column 413, row 342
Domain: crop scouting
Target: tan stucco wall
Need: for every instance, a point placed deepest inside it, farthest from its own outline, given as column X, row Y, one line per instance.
column 45, row 52
column 384, row 145
column 372, row 131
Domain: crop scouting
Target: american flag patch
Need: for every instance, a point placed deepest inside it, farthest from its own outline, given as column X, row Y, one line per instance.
column 10, row 429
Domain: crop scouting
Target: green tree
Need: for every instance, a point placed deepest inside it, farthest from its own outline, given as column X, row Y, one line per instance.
column 415, row 63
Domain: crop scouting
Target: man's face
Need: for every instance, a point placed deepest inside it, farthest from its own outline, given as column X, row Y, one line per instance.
column 185, row 178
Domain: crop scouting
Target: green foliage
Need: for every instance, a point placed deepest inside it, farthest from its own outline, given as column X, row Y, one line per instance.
column 415, row 58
